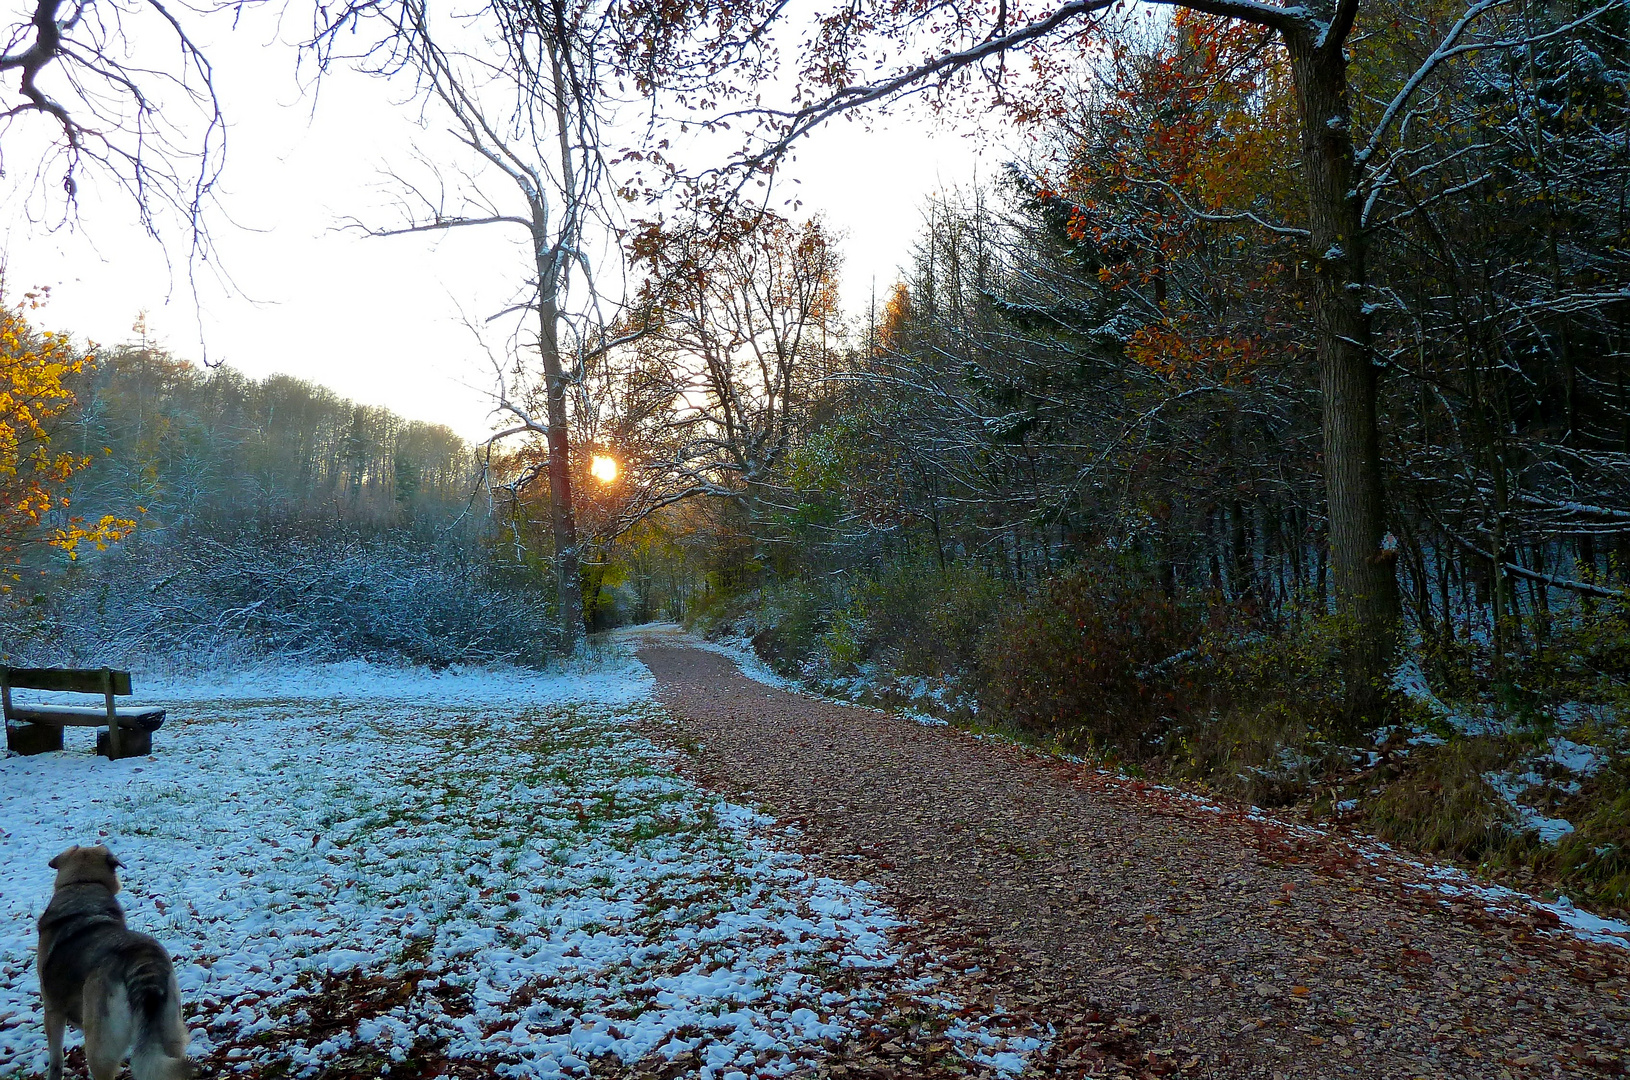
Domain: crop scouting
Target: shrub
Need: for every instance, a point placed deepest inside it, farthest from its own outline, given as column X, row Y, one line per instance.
column 931, row 621
column 1595, row 857
column 279, row 589
column 1441, row 804
column 786, row 623
column 1085, row 661
column 1275, row 705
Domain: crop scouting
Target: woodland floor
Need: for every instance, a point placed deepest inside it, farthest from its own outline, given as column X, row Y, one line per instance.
column 1156, row 936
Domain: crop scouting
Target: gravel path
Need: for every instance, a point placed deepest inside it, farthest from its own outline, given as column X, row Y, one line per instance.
column 1158, row 937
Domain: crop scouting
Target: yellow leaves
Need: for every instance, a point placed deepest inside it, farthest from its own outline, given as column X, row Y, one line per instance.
column 34, row 391
column 108, row 530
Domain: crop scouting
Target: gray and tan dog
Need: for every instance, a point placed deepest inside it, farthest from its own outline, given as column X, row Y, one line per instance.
column 115, row 985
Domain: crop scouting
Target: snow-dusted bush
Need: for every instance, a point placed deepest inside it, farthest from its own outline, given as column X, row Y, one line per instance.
column 277, row 589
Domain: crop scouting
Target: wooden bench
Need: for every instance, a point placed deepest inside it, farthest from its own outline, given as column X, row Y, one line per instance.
column 37, row 729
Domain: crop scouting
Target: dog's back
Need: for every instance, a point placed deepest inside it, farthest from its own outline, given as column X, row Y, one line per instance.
column 116, row 985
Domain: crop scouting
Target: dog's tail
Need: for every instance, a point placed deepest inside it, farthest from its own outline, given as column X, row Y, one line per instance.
column 160, row 1051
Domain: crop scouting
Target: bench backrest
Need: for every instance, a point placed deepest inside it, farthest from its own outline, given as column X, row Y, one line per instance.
column 68, row 680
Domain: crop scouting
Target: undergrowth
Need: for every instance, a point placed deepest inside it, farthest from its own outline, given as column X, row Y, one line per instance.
column 1102, row 663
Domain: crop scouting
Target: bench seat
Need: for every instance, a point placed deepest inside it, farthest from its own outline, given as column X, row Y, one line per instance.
column 36, row 728
column 145, row 718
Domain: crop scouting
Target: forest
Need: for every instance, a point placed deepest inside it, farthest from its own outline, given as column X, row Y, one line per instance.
column 1265, row 427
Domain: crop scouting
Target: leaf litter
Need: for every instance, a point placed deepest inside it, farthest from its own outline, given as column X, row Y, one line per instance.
column 1200, row 939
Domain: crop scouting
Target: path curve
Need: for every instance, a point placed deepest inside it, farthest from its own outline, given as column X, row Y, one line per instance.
column 1154, row 934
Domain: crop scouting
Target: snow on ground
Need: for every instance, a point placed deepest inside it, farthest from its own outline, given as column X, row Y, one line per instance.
column 1556, row 769
column 365, row 865
column 740, row 650
column 1511, row 787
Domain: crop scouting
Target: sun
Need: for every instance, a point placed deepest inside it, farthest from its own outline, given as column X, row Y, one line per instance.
column 603, row 468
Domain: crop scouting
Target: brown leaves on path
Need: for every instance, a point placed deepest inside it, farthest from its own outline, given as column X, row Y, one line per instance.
column 1158, row 935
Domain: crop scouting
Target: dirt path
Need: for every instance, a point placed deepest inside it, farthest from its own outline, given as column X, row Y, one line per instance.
column 1158, row 936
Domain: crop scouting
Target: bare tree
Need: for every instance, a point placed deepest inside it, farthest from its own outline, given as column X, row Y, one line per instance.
column 88, row 100
column 520, row 85
column 739, row 309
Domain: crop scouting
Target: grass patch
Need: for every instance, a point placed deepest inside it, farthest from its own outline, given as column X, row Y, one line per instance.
column 1442, row 804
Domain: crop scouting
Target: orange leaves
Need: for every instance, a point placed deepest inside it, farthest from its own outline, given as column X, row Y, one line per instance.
column 1208, row 114
column 35, row 369
column 1184, row 354
column 897, row 315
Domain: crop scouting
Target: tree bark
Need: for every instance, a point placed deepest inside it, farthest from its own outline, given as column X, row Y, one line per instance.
column 563, row 518
column 552, row 262
column 1363, row 570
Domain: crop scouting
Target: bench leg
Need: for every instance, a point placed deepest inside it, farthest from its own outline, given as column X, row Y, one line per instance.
column 28, row 739
column 132, row 743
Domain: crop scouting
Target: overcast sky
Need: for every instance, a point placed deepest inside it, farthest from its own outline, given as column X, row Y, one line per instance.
column 382, row 320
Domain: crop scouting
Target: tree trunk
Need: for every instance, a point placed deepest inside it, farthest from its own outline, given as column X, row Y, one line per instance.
column 1362, row 569
column 562, row 516
column 553, row 265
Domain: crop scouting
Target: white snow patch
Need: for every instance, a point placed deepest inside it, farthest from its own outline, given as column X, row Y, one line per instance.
column 1509, row 787
column 500, row 840
column 1577, row 758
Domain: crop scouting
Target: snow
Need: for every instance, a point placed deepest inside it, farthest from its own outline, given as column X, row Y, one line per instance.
column 1509, row 786
column 1560, row 755
column 492, row 861
column 848, row 688
column 1409, row 679
column 1577, row 758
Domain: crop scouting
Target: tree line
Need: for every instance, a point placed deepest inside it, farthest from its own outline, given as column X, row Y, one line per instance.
column 1188, row 326
column 264, row 517
column 1118, row 352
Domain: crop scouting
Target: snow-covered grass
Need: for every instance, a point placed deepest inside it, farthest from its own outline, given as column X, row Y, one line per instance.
column 357, row 867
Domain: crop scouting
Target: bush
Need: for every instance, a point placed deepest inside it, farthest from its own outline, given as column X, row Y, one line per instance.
column 1275, row 704
column 1595, row 857
column 786, row 621
column 932, row 622
column 281, row 589
column 1441, row 804
column 1086, row 661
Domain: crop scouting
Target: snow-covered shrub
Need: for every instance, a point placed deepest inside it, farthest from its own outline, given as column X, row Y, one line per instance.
column 785, row 621
column 280, row 589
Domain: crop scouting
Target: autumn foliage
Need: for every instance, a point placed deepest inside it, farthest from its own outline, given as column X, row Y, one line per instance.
column 1087, row 660
column 35, row 392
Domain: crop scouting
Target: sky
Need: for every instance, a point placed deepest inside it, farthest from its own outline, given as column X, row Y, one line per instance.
column 386, row 321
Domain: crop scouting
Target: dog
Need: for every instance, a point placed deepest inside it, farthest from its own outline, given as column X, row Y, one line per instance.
column 115, row 985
